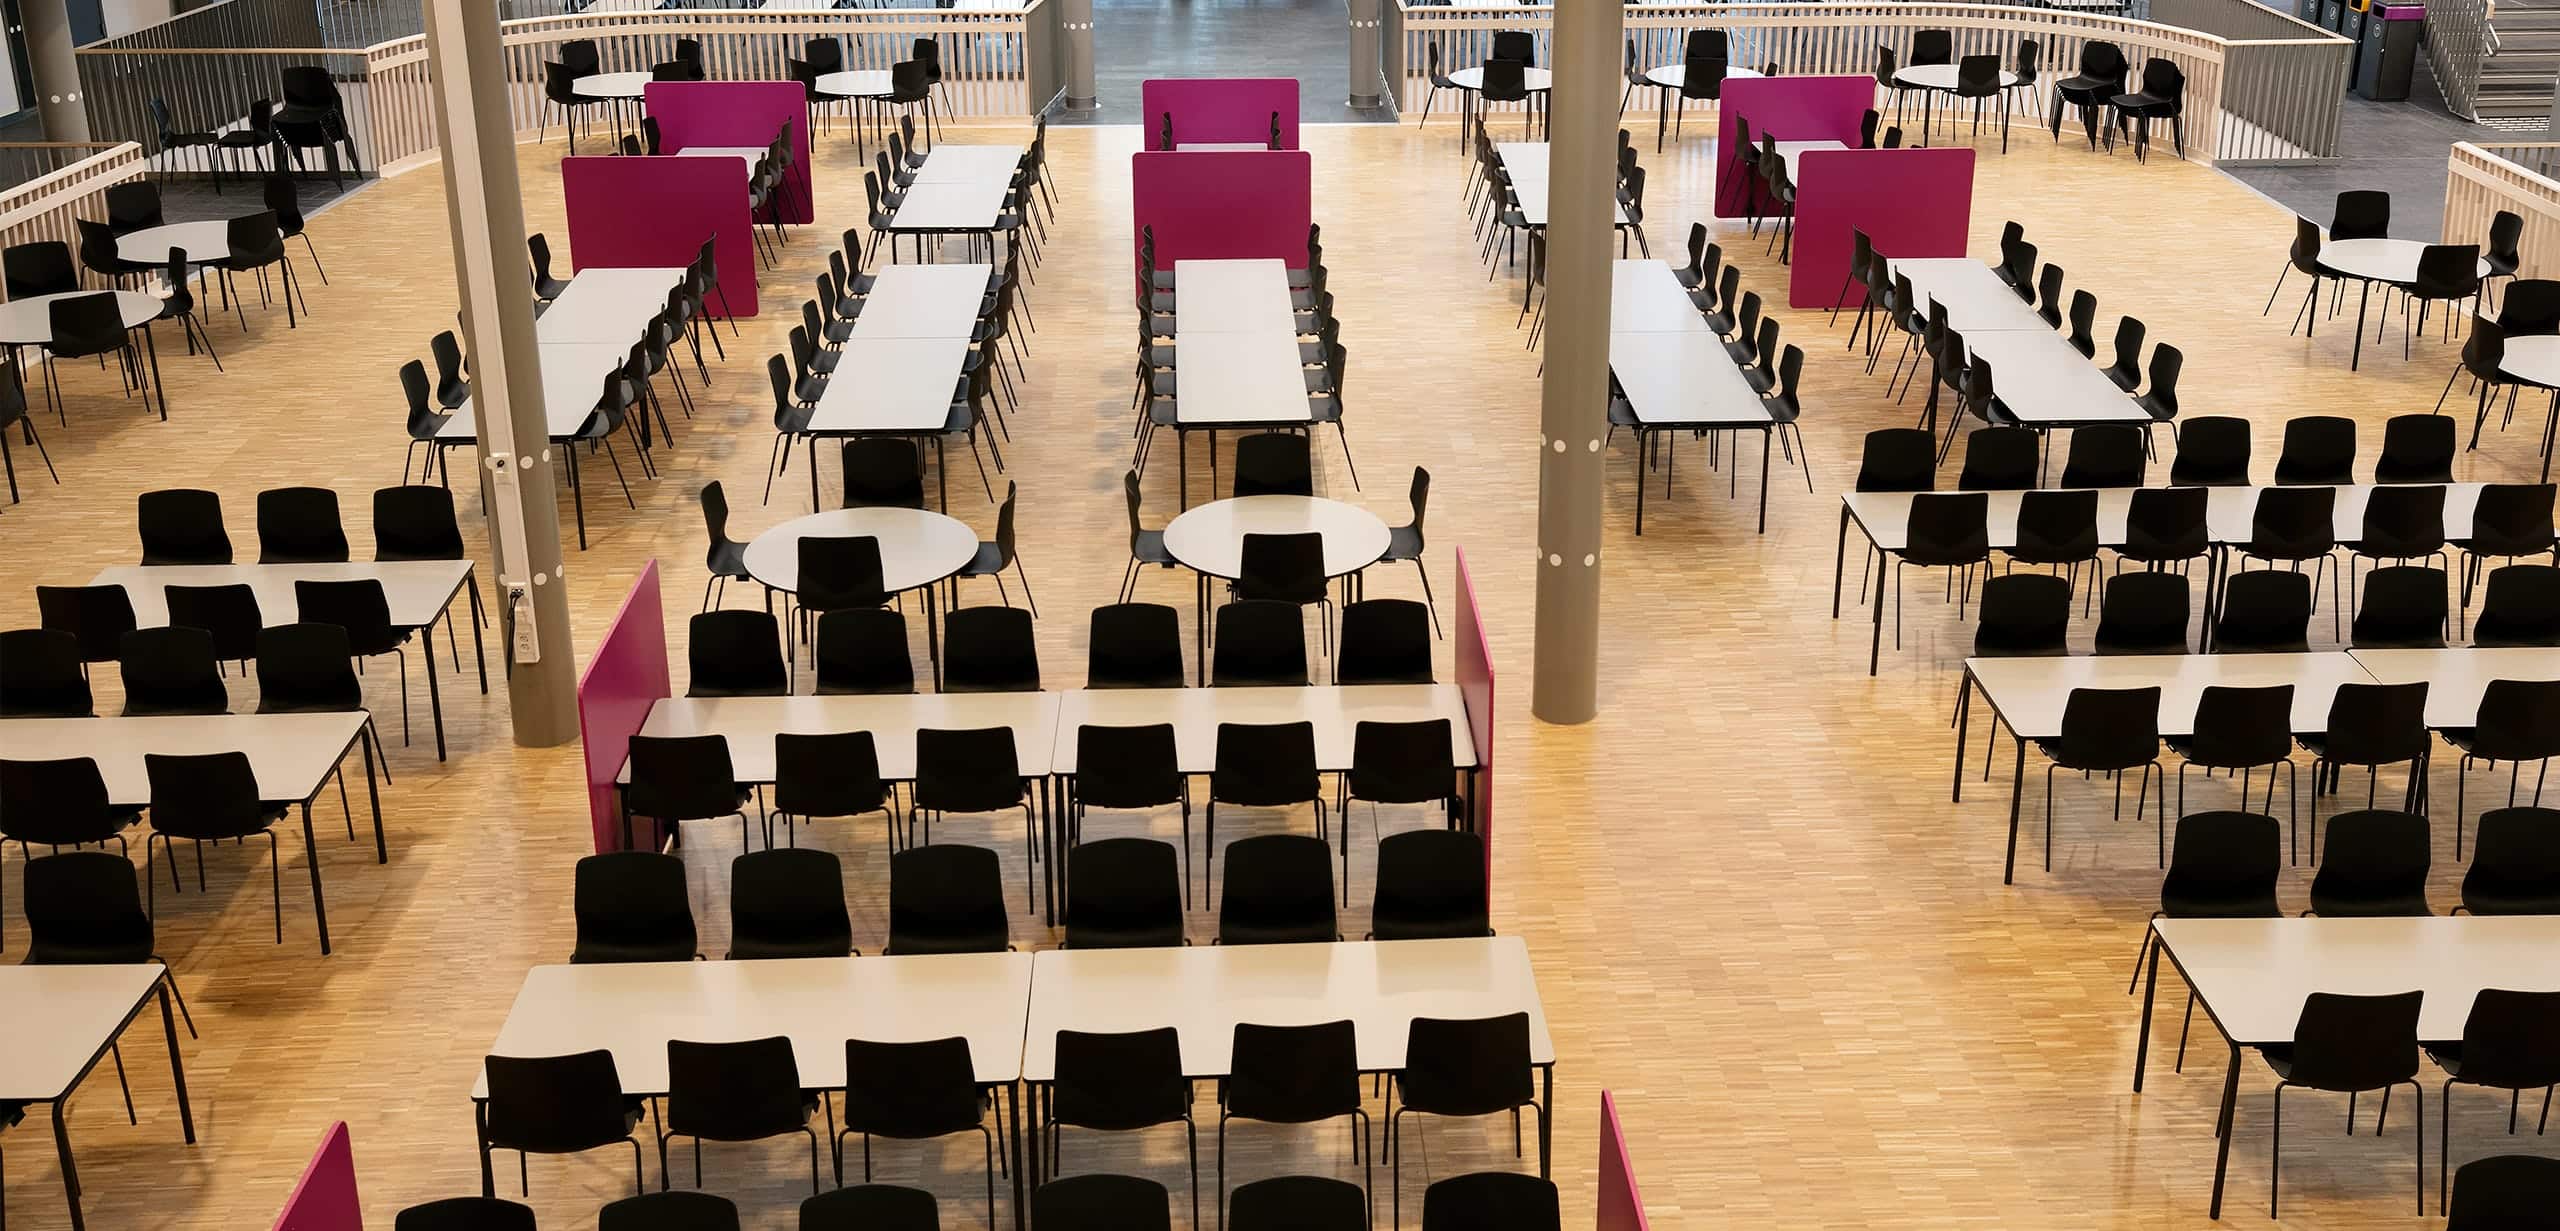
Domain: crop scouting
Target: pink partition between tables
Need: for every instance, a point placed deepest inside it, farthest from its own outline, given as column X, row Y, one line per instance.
column 691, row 113
column 1475, row 687
column 325, row 1198
column 624, row 677
column 1912, row 203
column 633, row 211
column 1791, row 108
column 1212, row 205
column 1219, row 109
column 1621, row 1206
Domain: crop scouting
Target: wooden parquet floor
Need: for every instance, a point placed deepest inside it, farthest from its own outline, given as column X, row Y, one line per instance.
column 1754, row 913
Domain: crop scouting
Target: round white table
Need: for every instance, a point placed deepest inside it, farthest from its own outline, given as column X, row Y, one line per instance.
column 29, row 322
column 1941, row 79
column 2367, row 261
column 1209, row 540
column 1672, row 77
column 856, row 83
column 1533, row 81
column 207, row 243
column 611, row 85
column 917, row 550
column 2534, row 358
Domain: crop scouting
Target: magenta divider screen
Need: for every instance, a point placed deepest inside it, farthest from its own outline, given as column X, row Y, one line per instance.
column 691, row 113
column 1219, row 109
column 1475, row 687
column 626, row 675
column 1214, row 205
column 1912, row 203
column 1793, row 109
column 1621, row 1206
column 325, row 1198
column 626, row 212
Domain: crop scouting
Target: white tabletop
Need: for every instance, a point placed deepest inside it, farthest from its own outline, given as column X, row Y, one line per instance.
column 2030, row 693
column 952, row 163
column 205, row 242
column 2534, row 357
column 748, row 154
column 1335, row 711
column 1205, row 992
column 950, row 205
column 2045, row 382
column 1241, row 296
column 1977, row 300
column 2376, row 260
column 29, row 321
column 2255, row 974
column 291, row 754
column 572, row 383
column 1790, row 151
column 2228, row 512
column 1674, row 76
column 1240, row 380
column 1526, row 161
column 1941, row 76
column 748, row 724
column 58, row 1018
column 612, row 85
column 2456, row 676
column 608, row 305
column 922, row 301
column 417, row 590
column 892, row 386
column 859, row 83
column 1210, row 538
column 1536, row 79
column 633, row 1009
column 1683, row 379
column 917, row 548
column 1644, row 297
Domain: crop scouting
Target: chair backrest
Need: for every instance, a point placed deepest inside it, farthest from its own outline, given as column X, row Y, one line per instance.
column 1289, row 568
column 210, row 796
column 2517, row 719
column 2361, row 214
column 2023, row 614
column 98, row 616
column 2522, row 607
column 1466, row 1066
column 554, row 1104
column 632, row 906
column 40, row 674
column 2223, row 865
column 2515, row 868
column 2265, row 611
column 735, row 654
column 1384, row 641
column 415, row 522
column 1278, row 889
column 2529, row 306
column 2163, row 80
column 1491, row 1201
column 946, row 898
column 911, row 1090
column 1259, row 642
column 1293, row 1074
column 1505, row 81
column 2293, row 522
column 1297, row 1203
column 2104, row 455
column 2377, row 724
column 831, row 773
column 2403, row 607
column 2110, row 728
column 1948, row 528
column 84, row 908
column 1999, row 459
column 989, row 649
column 1430, row 885
column 300, row 525
column 2512, row 519
column 2101, row 60
column 84, row 325
column 1273, row 464
column 1898, row 459
column 182, row 525
column 869, row 1207
column 681, row 778
column 863, row 650
column 2372, row 863
column 1119, row 1081
column 733, row 1091
column 2351, row 1042
column 2143, row 613
column 2502, row 1192
column 669, row 1211
column 787, row 903
column 2416, row 448
column 1932, row 46
column 228, row 613
column 1135, row 645
column 465, row 1214
column 38, row 267
column 305, row 668
column 2213, row 451
column 1517, row 46
column 840, row 571
column 1122, row 893
column 975, row 769
column 2447, row 271
column 1102, row 1203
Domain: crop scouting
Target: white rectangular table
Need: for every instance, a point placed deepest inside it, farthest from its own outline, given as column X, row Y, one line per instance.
column 2045, row 383
column 1645, row 297
column 1334, row 710
column 748, row 154
column 1231, row 381
column 418, row 592
column 946, row 206
column 1234, row 296
column 1976, row 299
column 948, row 163
column 608, row 305
column 1687, row 382
column 1526, row 161
column 58, row 1021
column 291, row 755
column 2456, row 676
column 2253, row 975
column 573, row 376
column 1788, row 151
column 886, row 386
column 923, row 301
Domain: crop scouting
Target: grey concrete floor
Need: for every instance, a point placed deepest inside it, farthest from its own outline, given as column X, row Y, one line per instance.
column 1306, row 39
column 2396, row 147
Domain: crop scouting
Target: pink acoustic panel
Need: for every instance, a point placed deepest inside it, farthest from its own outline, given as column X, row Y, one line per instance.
column 1912, row 203
column 1219, row 109
column 1207, row 206
column 1621, row 1206
column 325, row 1198
column 1475, row 686
column 624, row 677
column 1791, row 109
column 691, row 113
column 657, row 211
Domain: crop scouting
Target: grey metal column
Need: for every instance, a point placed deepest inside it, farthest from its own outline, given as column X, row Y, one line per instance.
column 1075, row 20
column 1364, row 52
column 1581, row 193
column 493, row 272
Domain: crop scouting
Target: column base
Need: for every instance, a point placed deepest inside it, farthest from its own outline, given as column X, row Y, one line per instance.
column 1083, row 104
column 1372, row 100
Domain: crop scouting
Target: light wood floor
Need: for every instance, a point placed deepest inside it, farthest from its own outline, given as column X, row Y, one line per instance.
column 1754, row 913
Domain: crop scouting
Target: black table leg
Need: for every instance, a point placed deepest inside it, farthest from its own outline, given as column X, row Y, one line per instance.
column 1840, row 559
column 373, row 795
column 1764, row 479
column 814, row 506
column 152, row 349
column 1546, row 1118
column 2017, row 798
column 1640, row 447
column 577, row 497
column 311, row 856
column 2150, row 986
column 479, row 652
column 435, row 694
column 1875, row 640
column 2364, row 292
column 7, row 463
column 70, row 1174
column 1013, row 1112
column 1200, row 626
column 2230, row 1105
column 177, row 1067
column 1964, row 723
column 932, row 640
column 1182, row 468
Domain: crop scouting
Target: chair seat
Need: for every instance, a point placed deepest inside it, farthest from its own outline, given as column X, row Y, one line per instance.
column 2279, row 1056
column 2052, row 749
column 1318, row 380
column 729, row 560
column 1621, row 414
column 1300, row 279
column 243, row 139
column 1403, row 543
column 2448, row 1056
column 987, row 563
column 1325, row 410
column 961, row 419
column 1147, row 547
column 2144, row 105
column 1163, row 281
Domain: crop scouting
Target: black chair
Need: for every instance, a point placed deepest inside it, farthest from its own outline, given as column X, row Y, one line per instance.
column 1298, row 1203
column 2401, row 522
column 2109, row 731
column 835, row 773
column 2165, row 526
column 2126, row 371
column 2239, row 729
column 2057, row 529
column 83, row 326
column 1293, row 1075
column 1458, row 1067
column 182, row 525
column 883, row 472
column 946, row 899
column 1106, row 1203
column 2518, row 721
column 726, row 559
column 1260, row 642
column 1491, row 1201
column 1279, row 892
column 1383, row 641
column 1122, row 893
column 2403, row 608
column 2416, row 448
column 300, row 525
column 1273, row 464
column 2509, row 519
column 914, row 1091
column 1399, row 763
column 1139, row 645
column 989, row 649
column 2023, row 615
column 2522, row 607
column 1263, row 765
column 173, row 140
column 2104, row 455
column 40, row 675
column 2222, row 865
column 863, row 650
column 743, row 1091
column 2515, row 867
column 2502, row 1192
column 1115, row 1083
column 2317, row 449
column 1999, row 459
column 2265, row 612
column 39, row 267
column 98, row 253
column 683, row 778
column 228, row 614
column 998, row 554
column 556, row 1105
column 972, row 771
column 83, row 909
column 2163, row 96
column 735, row 654
column 2350, row 1045
column 256, row 241
column 210, row 798
column 2371, row 725
column 787, row 903
column 2448, row 272
column 2213, row 451
column 98, row 617
column 1430, row 885
column 632, row 906
column 2100, row 79
column 2296, row 526
column 2361, row 214
column 1133, row 768
column 2373, row 865
column 559, row 89
column 669, row 1211
column 870, row 1207
column 171, row 671
column 1944, row 530
column 465, row 1214
column 2143, row 613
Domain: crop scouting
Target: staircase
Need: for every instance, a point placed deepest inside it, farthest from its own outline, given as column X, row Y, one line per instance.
column 2523, row 57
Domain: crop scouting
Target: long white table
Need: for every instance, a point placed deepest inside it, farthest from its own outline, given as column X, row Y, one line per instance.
column 2456, row 676
column 2253, row 976
column 1676, row 379
column 1235, row 296
column 59, row 1021
column 1975, row 297
column 899, row 374
column 291, row 755
column 573, row 376
column 1526, row 161
column 1646, row 297
column 923, row 301
column 608, row 305
column 419, row 592
column 963, row 195
column 1242, row 370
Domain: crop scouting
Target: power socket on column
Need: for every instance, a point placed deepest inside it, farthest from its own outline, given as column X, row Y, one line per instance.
column 528, row 641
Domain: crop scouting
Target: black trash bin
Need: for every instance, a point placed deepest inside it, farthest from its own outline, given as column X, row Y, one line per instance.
column 2387, row 55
